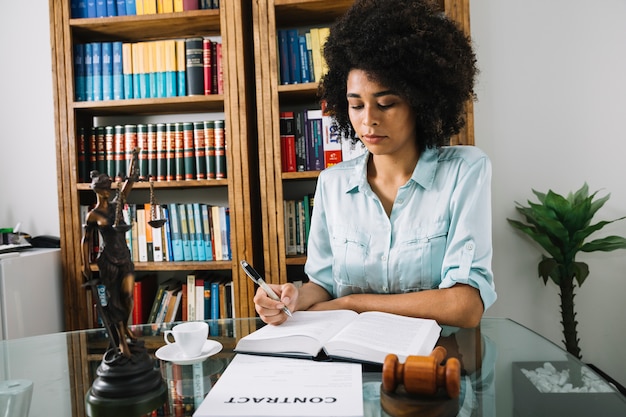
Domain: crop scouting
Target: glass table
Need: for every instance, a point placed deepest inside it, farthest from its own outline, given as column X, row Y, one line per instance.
column 493, row 357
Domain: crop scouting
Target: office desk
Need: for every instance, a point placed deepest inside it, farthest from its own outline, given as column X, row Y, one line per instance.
column 61, row 367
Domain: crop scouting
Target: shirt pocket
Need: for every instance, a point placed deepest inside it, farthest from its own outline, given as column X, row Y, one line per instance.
column 350, row 249
column 420, row 258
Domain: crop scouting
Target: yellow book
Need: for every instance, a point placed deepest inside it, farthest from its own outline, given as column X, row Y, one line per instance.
column 149, row 6
column 317, row 53
column 178, row 6
column 127, row 69
column 165, row 6
column 323, row 33
column 139, row 9
column 169, row 59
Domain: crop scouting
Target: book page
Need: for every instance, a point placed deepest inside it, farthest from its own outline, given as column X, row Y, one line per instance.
column 264, row 386
column 315, row 327
column 375, row 334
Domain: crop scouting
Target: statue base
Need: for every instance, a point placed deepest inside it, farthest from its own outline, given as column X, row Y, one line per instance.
column 402, row 404
column 126, row 386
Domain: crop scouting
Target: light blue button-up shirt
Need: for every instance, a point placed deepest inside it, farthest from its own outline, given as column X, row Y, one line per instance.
column 438, row 234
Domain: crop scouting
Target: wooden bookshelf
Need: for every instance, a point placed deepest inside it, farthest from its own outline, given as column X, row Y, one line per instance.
column 272, row 97
column 231, row 22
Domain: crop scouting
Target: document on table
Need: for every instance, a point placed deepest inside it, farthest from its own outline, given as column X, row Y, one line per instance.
column 264, row 386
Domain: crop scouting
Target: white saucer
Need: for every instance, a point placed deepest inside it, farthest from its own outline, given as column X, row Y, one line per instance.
column 172, row 353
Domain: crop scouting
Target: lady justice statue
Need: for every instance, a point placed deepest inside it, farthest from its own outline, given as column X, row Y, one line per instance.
column 127, row 380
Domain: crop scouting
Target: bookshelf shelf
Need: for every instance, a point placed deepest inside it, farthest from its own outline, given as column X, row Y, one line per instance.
column 148, row 27
column 178, row 266
column 169, row 105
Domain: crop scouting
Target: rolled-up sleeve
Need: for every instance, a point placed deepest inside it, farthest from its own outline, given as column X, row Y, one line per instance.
column 469, row 248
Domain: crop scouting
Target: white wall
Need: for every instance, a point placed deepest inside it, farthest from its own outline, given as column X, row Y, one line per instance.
column 28, row 174
column 551, row 112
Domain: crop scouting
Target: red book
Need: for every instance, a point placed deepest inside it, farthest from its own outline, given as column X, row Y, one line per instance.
column 170, row 150
column 207, row 55
column 199, row 150
column 191, row 5
column 220, row 70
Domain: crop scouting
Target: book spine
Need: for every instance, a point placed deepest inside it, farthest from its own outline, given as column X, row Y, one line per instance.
column 209, row 140
column 144, row 154
column 207, row 62
column 294, row 56
column 220, row 150
column 194, row 66
column 81, row 140
column 92, row 151
column 215, row 300
column 179, row 160
column 91, row 8
column 199, row 238
column 189, row 158
column 118, row 153
column 121, row 7
column 177, row 240
column 127, row 70
column 199, row 150
column 109, row 151
column 283, row 54
column 79, row 72
column 171, row 89
column 206, row 229
column 151, row 130
column 191, row 297
column 190, row 5
column 181, row 73
column 131, row 9
column 184, row 232
column 170, row 151
column 101, row 150
column 96, row 60
column 111, row 8
column 88, row 71
column 130, row 143
column 161, row 80
column 191, row 225
column 118, row 71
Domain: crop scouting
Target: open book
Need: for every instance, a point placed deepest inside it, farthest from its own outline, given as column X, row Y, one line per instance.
column 345, row 335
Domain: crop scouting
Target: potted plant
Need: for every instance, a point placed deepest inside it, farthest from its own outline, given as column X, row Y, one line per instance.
column 561, row 225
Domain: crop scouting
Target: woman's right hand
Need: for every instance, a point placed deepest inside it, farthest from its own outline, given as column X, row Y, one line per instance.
column 271, row 311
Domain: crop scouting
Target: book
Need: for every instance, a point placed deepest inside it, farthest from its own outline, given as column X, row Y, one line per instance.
column 344, row 335
column 194, row 60
column 281, row 387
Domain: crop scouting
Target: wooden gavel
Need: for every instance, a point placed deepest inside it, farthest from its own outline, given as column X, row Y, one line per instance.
column 423, row 374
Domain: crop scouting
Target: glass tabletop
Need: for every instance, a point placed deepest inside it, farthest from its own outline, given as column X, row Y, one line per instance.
column 495, row 360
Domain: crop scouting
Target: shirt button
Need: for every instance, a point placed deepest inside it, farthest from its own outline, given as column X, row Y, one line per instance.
column 385, row 289
column 400, row 201
column 469, row 246
column 383, row 258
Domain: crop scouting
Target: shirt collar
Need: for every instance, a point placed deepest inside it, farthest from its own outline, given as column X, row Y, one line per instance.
column 423, row 174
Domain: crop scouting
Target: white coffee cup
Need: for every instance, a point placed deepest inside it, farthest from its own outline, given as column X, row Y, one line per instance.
column 190, row 337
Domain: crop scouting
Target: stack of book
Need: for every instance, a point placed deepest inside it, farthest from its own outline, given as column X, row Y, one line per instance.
column 169, row 151
column 150, row 69
column 300, row 56
column 81, row 9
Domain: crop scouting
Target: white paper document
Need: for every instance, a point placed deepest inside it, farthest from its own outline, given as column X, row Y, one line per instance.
column 264, row 386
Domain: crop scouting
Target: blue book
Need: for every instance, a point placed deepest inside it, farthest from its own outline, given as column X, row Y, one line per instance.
column 171, row 88
column 283, row 54
column 177, row 240
column 130, row 8
column 206, row 232
column 294, row 56
column 207, row 300
column 197, row 219
column 79, row 72
column 91, row 8
column 96, row 61
column 101, row 8
column 184, row 232
column 107, row 71
column 78, row 9
column 215, row 300
column 228, row 254
column 191, row 223
column 120, row 7
column 118, row 69
column 111, row 6
column 305, row 73
column 88, row 71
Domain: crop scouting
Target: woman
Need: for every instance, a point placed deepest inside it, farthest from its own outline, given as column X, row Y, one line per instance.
column 117, row 273
column 405, row 228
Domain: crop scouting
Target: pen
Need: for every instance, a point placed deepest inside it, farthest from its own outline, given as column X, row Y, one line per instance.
column 256, row 277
